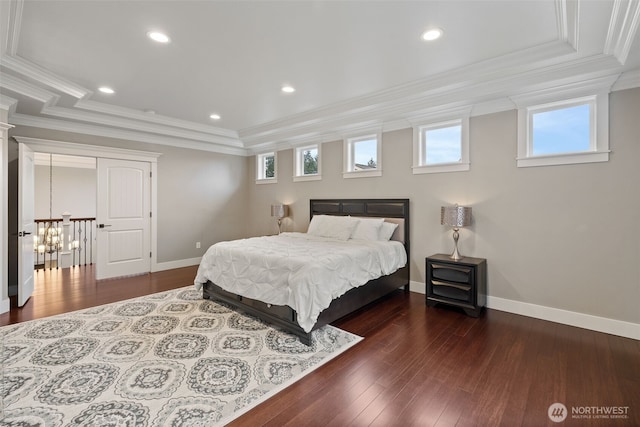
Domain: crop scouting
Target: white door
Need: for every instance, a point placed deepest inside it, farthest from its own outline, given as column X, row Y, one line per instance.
column 123, row 216
column 26, row 223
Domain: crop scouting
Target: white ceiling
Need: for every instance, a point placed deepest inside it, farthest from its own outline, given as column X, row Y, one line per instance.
column 354, row 64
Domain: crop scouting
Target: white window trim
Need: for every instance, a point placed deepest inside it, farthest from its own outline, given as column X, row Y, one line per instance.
column 259, row 168
column 419, row 146
column 348, row 155
column 298, row 164
column 592, row 93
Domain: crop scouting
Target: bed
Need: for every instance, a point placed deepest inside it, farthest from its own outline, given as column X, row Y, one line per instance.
column 279, row 312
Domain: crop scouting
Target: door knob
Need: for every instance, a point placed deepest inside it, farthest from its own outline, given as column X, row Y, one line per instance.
column 23, row 233
column 104, row 225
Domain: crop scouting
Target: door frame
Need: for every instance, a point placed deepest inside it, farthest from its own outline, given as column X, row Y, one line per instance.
column 97, row 151
column 5, row 302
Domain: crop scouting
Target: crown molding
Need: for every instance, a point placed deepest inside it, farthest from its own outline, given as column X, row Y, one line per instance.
column 391, row 114
column 43, row 76
column 571, row 90
column 628, row 80
column 492, row 106
column 567, row 17
column 131, row 113
column 5, row 126
column 27, row 89
column 104, row 114
column 86, row 129
column 394, row 125
column 440, row 114
column 10, row 32
column 478, row 106
column 491, row 94
column 625, row 19
column 297, row 142
column 137, row 125
column 545, row 54
column 8, row 104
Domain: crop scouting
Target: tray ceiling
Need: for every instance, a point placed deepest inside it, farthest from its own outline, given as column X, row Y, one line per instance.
column 353, row 64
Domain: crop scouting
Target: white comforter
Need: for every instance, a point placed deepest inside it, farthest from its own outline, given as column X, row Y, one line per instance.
column 302, row 271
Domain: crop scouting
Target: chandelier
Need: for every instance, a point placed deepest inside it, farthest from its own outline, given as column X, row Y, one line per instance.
column 49, row 239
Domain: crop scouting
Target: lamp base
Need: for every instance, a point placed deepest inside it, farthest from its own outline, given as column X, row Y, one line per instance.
column 456, row 255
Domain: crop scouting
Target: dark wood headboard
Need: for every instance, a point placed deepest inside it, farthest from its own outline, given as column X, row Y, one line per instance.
column 381, row 208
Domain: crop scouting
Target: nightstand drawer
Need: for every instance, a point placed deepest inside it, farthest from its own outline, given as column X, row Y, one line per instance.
column 452, row 290
column 460, row 274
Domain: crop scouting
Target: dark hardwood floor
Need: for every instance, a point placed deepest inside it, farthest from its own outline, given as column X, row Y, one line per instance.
column 62, row 290
column 417, row 366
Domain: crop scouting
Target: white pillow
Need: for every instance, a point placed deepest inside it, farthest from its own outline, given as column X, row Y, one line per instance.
column 386, row 231
column 335, row 227
column 368, row 229
column 316, row 226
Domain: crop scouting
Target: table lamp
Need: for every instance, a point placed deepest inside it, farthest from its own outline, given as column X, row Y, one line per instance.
column 456, row 217
column 279, row 211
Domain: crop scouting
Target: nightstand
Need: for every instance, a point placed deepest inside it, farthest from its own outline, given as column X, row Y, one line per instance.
column 461, row 283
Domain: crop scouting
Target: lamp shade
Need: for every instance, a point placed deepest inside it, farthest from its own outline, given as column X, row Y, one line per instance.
column 279, row 211
column 455, row 216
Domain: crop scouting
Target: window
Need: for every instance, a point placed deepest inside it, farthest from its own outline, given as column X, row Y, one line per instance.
column 307, row 163
column 362, row 156
column 561, row 130
column 266, row 168
column 441, row 147
column 565, row 131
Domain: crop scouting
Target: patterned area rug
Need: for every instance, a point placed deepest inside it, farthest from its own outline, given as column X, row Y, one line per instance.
column 170, row 358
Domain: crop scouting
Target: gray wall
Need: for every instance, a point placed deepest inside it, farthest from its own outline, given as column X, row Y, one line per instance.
column 74, row 191
column 565, row 237
column 202, row 196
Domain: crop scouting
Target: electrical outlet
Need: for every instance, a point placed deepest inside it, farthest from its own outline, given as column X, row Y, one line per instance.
column 197, row 245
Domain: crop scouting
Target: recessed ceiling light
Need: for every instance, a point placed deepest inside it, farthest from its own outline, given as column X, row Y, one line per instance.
column 105, row 89
column 432, row 34
column 288, row 89
column 158, row 37
column 215, row 116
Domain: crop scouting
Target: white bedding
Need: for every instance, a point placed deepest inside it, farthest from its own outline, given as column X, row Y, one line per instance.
column 302, row 271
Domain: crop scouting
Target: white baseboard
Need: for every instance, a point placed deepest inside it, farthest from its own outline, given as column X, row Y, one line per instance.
column 419, row 287
column 161, row 266
column 5, row 305
column 571, row 318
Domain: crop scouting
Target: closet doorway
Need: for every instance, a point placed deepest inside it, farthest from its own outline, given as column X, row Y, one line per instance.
column 125, row 189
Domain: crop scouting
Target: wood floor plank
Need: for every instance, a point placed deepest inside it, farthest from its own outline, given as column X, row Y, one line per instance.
column 416, row 366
